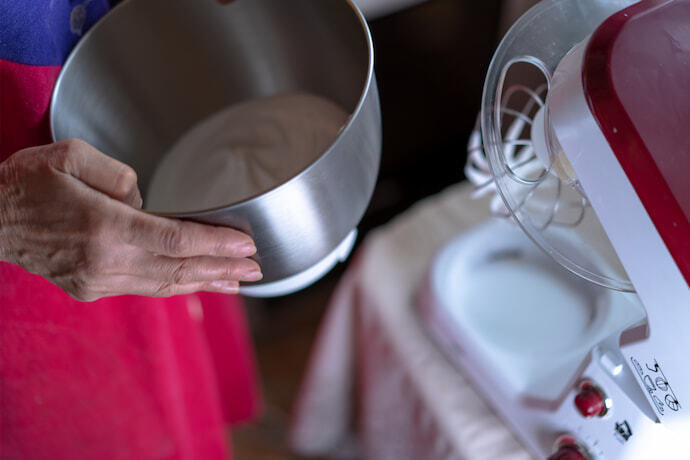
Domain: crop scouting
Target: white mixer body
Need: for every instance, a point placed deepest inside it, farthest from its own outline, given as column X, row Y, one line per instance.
column 647, row 260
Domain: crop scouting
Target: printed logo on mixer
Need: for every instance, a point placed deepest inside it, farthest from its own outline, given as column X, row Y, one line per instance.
column 623, row 431
column 657, row 386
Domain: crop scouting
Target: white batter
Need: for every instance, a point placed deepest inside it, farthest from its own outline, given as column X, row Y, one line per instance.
column 243, row 151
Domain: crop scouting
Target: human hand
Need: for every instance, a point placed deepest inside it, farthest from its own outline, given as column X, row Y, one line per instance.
column 72, row 215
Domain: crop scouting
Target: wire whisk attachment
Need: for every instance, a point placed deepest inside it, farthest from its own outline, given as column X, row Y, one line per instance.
column 540, row 192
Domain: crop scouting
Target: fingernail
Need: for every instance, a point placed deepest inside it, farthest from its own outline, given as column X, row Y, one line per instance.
column 252, row 276
column 246, row 250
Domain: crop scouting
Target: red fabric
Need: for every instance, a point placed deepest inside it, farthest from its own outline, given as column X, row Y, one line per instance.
column 120, row 378
column 24, row 101
column 228, row 340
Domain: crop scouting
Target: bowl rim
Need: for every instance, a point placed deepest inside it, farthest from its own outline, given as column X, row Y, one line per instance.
column 366, row 89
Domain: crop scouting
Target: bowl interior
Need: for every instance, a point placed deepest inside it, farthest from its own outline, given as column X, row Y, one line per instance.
column 151, row 69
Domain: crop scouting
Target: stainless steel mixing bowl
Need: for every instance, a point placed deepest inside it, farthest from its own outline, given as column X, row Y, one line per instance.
column 153, row 68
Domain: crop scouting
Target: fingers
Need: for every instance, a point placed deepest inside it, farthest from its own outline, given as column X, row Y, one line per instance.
column 182, row 271
column 137, row 272
column 223, row 287
column 144, row 287
column 142, row 273
column 169, row 237
column 164, row 257
column 176, row 238
column 99, row 171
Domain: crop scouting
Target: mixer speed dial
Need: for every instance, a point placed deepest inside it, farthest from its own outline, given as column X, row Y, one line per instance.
column 591, row 401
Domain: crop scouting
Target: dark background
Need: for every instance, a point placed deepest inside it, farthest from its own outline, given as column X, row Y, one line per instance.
column 430, row 64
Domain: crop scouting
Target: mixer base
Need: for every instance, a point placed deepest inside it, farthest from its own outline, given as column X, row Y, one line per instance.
column 526, row 332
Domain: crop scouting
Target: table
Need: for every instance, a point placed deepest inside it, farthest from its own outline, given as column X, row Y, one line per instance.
column 377, row 387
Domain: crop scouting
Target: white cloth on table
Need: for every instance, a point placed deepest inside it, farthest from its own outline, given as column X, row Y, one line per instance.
column 375, row 376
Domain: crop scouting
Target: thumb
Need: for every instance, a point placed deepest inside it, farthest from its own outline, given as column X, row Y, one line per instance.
column 97, row 170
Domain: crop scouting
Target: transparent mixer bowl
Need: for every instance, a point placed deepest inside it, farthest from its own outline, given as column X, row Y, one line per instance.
column 529, row 170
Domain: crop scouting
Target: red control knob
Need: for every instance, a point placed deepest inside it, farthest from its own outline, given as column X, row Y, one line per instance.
column 590, row 401
column 568, row 452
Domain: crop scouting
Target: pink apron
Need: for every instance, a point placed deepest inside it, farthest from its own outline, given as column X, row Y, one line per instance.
column 123, row 377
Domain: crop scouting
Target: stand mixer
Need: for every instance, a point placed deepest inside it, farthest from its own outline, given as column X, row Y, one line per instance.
column 583, row 136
